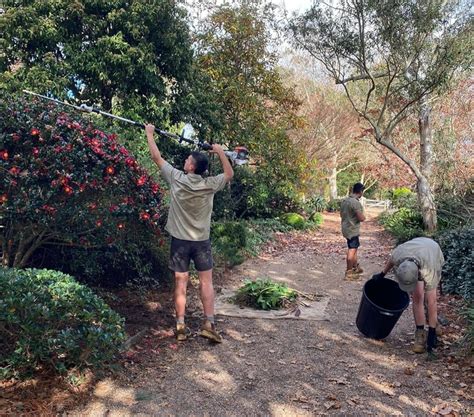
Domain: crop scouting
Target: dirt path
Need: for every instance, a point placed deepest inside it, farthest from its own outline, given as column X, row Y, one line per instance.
column 290, row 367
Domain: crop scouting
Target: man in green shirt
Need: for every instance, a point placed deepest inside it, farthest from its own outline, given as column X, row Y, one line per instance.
column 189, row 224
column 352, row 214
column 417, row 265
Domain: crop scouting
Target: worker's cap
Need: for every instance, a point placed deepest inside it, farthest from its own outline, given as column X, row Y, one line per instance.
column 407, row 275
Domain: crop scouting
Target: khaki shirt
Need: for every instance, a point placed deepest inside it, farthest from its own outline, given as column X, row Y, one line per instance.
column 192, row 198
column 350, row 224
column 427, row 254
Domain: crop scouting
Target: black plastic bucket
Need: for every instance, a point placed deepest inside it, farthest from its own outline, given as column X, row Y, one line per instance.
column 382, row 304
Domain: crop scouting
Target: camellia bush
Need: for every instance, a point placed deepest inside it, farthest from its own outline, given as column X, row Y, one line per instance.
column 64, row 182
column 48, row 321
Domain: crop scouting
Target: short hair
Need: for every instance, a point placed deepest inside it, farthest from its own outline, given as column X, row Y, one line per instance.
column 358, row 188
column 201, row 162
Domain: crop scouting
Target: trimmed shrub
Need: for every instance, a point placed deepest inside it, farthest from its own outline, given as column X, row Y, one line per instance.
column 295, row 220
column 48, row 321
column 458, row 270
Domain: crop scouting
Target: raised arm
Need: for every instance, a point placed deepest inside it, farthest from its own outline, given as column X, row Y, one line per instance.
column 228, row 171
column 155, row 152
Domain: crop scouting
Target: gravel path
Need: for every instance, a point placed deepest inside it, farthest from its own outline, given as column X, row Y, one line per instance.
column 291, row 367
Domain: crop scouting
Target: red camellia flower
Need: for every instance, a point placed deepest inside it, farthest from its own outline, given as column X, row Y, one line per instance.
column 92, row 206
column 113, row 208
column 121, row 226
column 4, row 154
column 34, row 132
column 155, row 188
column 68, row 190
column 14, row 170
column 64, row 180
column 130, row 161
column 141, row 181
column 49, row 209
column 110, row 170
column 36, row 151
column 144, row 215
column 3, row 198
column 98, row 223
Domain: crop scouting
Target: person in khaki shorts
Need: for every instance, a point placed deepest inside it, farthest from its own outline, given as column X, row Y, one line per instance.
column 189, row 224
column 352, row 214
column 417, row 265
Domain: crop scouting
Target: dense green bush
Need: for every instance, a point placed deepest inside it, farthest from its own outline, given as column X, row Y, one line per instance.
column 403, row 197
column 264, row 294
column 252, row 195
column 316, row 204
column 316, row 219
column 48, row 321
column 141, row 263
column 458, row 270
column 295, row 220
column 404, row 224
column 229, row 240
column 453, row 211
column 469, row 314
column 334, row 205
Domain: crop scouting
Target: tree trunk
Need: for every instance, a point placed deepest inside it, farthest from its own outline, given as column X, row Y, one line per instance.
column 427, row 205
column 425, row 194
column 333, row 179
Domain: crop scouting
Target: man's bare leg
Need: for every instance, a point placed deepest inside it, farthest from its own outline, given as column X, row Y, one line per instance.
column 208, row 329
column 351, row 259
column 418, row 297
column 207, row 292
column 181, row 282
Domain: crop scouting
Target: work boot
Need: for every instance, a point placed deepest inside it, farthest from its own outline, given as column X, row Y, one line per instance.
column 208, row 330
column 357, row 269
column 420, row 341
column 181, row 335
column 351, row 275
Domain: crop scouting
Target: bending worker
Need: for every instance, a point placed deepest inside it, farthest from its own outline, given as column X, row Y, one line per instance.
column 417, row 265
column 189, row 223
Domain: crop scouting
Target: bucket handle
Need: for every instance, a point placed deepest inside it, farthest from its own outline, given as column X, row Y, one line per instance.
column 386, row 313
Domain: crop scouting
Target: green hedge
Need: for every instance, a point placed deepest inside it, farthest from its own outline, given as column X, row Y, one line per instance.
column 229, row 240
column 458, row 270
column 48, row 321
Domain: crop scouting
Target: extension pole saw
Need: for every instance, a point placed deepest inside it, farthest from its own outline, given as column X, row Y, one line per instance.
column 239, row 156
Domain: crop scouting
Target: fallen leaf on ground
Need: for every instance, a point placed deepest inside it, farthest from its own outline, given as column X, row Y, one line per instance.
column 444, row 409
column 336, row 405
column 300, row 399
column 409, row 371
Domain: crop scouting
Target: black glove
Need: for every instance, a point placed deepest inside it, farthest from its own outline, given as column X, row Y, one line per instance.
column 378, row 276
column 432, row 341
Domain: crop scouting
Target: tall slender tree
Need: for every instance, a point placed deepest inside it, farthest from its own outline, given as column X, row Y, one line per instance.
column 399, row 55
